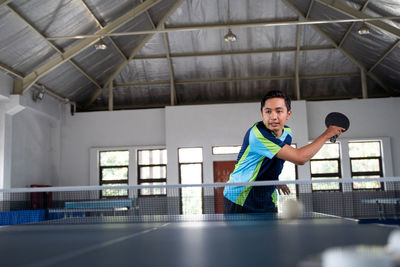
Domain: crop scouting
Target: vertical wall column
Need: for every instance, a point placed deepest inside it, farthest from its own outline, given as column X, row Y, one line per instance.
column 7, row 111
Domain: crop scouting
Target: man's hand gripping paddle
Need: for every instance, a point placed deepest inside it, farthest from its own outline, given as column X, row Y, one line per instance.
column 337, row 119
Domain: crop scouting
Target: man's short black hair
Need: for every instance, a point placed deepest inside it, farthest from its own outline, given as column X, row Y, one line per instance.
column 276, row 94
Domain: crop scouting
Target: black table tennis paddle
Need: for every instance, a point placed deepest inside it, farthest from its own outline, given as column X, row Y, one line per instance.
column 337, row 119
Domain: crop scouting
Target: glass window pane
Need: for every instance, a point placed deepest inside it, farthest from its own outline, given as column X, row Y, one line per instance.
column 153, row 156
column 114, row 158
column 114, row 192
column 114, row 174
column 187, row 155
column 326, row 166
column 144, row 173
column 325, row 186
column 367, row 185
column 218, row 150
column 191, row 197
column 288, row 174
column 192, row 200
column 155, row 172
column 364, row 165
column 191, row 173
column 153, row 191
column 365, row 149
column 328, row 151
column 144, row 157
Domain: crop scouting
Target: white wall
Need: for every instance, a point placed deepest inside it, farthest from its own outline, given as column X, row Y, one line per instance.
column 84, row 131
column 369, row 118
column 30, row 141
column 67, row 155
column 212, row 125
column 35, row 146
column 6, row 84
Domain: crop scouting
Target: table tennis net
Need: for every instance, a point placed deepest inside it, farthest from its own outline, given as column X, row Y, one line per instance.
column 323, row 198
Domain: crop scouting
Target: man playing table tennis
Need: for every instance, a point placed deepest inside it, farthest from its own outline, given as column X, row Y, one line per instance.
column 265, row 148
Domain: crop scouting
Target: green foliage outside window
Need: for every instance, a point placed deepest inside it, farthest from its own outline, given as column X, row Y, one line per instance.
column 364, row 149
column 325, row 165
column 114, row 158
column 365, row 159
column 115, row 174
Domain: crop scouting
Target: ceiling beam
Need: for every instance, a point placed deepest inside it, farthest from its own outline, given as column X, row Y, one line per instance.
column 31, row 78
column 352, row 25
column 297, row 62
column 110, row 97
column 200, row 27
column 396, row 44
column 37, row 85
column 354, row 13
column 11, row 71
column 170, row 67
column 98, row 92
column 344, row 52
column 54, row 93
column 252, row 99
column 364, row 88
column 171, row 70
column 309, row 9
column 5, row 2
column 96, row 20
column 238, row 52
column 134, row 52
column 37, row 31
column 224, row 79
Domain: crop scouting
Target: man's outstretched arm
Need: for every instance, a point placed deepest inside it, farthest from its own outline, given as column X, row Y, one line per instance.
column 301, row 155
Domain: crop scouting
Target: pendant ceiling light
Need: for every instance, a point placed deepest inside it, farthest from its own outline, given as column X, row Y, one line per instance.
column 100, row 45
column 230, row 36
column 363, row 30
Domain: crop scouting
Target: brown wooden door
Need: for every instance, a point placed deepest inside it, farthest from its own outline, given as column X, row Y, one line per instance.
column 222, row 170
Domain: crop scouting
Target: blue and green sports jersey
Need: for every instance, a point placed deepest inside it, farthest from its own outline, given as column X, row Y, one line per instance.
column 257, row 162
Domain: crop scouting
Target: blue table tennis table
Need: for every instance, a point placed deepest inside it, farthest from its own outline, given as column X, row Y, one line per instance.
column 205, row 240
column 81, row 208
column 382, row 210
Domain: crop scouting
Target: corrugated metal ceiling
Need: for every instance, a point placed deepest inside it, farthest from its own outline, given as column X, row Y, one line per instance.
column 172, row 52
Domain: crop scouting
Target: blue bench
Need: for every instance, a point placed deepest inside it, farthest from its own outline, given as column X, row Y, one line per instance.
column 22, row 216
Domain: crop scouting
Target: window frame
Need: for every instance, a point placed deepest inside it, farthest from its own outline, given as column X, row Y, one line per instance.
column 330, row 174
column 296, row 172
column 226, row 146
column 109, row 182
column 141, row 181
column 379, row 158
column 180, row 178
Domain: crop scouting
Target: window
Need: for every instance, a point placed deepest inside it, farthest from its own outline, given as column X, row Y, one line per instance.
column 366, row 162
column 289, row 173
column 326, row 165
column 114, row 171
column 222, row 150
column 152, row 170
column 191, row 172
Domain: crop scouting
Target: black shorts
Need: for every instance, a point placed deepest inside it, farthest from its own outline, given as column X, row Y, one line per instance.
column 232, row 208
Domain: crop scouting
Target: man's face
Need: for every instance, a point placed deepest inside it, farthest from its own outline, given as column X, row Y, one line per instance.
column 274, row 114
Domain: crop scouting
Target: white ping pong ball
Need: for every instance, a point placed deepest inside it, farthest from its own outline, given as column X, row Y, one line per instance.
column 291, row 209
column 393, row 244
